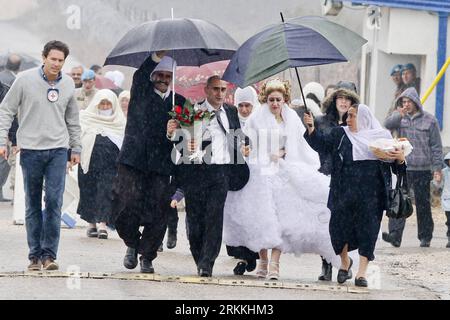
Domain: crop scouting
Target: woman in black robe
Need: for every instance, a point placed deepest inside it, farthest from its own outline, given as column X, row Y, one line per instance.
column 103, row 125
column 359, row 185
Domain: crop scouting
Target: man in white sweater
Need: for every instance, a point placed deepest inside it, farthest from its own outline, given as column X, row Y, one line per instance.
column 42, row 98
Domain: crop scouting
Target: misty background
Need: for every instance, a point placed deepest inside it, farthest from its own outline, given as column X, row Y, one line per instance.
column 91, row 28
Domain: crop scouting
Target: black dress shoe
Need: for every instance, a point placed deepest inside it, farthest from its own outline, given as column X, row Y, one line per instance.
column 92, row 233
column 251, row 265
column 389, row 238
column 240, row 267
column 344, row 275
column 102, row 234
column 130, row 260
column 146, row 265
column 424, row 243
column 172, row 240
column 327, row 271
column 361, row 282
column 448, row 243
column 204, row 272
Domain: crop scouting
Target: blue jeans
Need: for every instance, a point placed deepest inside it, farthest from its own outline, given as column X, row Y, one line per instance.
column 43, row 226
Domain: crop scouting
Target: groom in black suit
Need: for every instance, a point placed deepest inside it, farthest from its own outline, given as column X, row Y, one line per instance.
column 206, row 182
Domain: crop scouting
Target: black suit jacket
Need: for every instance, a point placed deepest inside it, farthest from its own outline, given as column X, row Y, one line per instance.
column 145, row 146
column 237, row 171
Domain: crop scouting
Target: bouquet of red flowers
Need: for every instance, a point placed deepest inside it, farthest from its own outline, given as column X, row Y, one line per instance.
column 187, row 114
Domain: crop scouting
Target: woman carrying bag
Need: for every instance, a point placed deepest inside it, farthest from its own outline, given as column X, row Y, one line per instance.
column 360, row 184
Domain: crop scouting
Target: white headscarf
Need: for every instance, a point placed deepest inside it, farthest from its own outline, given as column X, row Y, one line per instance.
column 316, row 89
column 124, row 94
column 166, row 64
column 310, row 103
column 93, row 123
column 115, row 76
column 248, row 95
column 369, row 130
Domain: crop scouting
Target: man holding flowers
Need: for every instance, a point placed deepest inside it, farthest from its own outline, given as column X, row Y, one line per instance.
column 217, row 166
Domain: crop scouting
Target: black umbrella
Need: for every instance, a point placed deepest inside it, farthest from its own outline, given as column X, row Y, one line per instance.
column 191, row 42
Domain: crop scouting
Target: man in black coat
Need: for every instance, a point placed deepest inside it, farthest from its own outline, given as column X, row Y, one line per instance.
column 141, row 192
column 206, row 182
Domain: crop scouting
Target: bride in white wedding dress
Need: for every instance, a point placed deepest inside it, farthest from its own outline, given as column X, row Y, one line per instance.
column 283, row 207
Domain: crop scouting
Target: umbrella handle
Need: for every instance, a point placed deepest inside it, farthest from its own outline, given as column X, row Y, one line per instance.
column 299, row 82
column 311, row 115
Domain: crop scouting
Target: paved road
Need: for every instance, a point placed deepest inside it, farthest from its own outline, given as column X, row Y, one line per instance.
column 408, row 272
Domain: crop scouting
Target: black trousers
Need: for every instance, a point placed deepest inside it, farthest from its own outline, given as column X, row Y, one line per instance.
column 141, row 199
column 172, row 220
column 204, row 214
column 447, row 213
column 242, row 253
column 419, row 182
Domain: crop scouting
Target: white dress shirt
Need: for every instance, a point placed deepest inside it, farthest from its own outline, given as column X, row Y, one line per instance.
column 219, row 144
column 163, row 95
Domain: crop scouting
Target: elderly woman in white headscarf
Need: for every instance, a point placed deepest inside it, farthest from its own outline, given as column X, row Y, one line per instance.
column 102, row 133
column 359, row 185
column 246, row 100
column 124, row 101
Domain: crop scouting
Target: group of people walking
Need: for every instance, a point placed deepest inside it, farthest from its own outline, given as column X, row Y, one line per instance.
column 265, row 182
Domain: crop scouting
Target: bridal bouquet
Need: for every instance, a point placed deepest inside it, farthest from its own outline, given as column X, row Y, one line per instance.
column 191, row 119
column 187, row 115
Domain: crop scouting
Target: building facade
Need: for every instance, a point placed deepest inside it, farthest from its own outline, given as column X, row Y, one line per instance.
column 406, row 31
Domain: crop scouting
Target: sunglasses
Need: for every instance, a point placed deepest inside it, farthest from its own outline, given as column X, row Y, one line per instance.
column 275, row 99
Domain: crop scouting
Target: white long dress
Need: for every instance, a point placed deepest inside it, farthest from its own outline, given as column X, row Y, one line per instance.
column 284, row 204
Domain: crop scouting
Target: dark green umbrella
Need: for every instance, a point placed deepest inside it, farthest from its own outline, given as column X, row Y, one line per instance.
column 298, row 42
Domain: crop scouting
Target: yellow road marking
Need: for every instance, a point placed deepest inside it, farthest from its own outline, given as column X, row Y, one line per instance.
column 191, row 280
